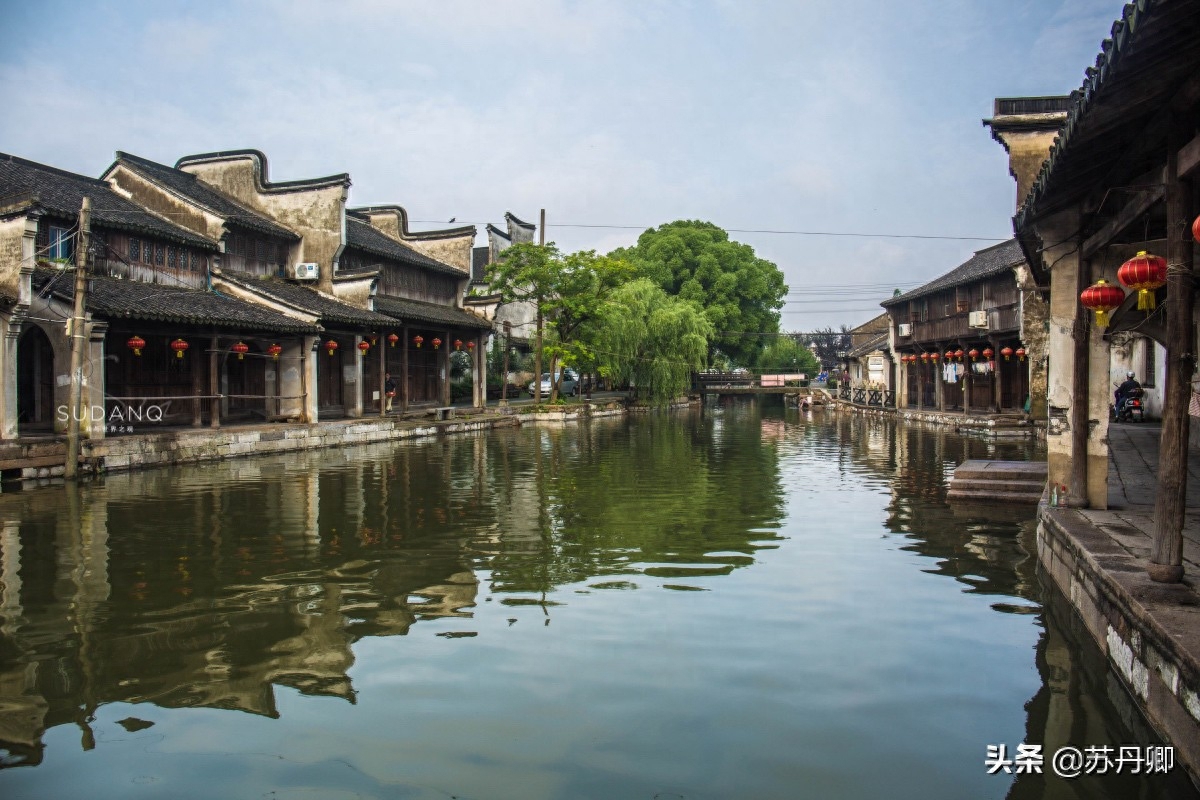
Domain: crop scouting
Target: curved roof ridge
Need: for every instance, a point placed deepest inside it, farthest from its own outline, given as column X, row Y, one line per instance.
column 262, row 173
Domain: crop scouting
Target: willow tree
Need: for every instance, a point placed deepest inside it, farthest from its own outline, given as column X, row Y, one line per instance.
column 652, row 340
column 740, row 293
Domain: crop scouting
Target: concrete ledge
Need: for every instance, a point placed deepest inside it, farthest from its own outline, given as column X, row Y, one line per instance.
column 1149, row 632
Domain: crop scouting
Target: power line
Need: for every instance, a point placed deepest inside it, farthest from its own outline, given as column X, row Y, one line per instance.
column 849, row 234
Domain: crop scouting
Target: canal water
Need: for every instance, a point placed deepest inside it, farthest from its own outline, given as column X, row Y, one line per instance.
column 742, row 603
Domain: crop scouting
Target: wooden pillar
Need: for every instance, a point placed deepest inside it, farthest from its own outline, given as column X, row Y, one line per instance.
column 997, row 375
column 381, row 343
column 967, row 383
column 197, row 389
column 214, row 382
column 939, row 385
column 444, row 368
column 405, row 377
column 1166, row 552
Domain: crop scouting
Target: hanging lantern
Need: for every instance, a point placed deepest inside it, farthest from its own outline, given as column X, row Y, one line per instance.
column 241, row 348
column 392, row 339
column 949, row 355
column 179, row 345
column 436, row 342
column 458, row 344
column 418, row 339
column 925, row 357
column 471, row 346
column 934, row 357
column 274, row 350
column 331, row 346
column 1006, row 352
column 1102, row 297
column 1196, row 229
column 974, row 354
column 136, row 343
column 958, row 354
column 988, row 353
column 364, row 346
column 1020, row 354
column 1145, row 273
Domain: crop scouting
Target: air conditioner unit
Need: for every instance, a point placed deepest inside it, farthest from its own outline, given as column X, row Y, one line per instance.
column 904, row 329
column 307, row 272
column 977, row 319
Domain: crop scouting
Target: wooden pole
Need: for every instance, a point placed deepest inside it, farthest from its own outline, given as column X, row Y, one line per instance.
column 1166, row 552
column 537, row 353
column 405, row 377
column 383, row 371
column 78, row 341
column 214, row 383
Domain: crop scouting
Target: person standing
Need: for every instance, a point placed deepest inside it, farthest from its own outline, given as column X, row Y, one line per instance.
column 389, row 389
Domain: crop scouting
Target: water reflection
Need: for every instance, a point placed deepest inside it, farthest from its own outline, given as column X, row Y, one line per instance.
column 728, row 603
column 211, row 586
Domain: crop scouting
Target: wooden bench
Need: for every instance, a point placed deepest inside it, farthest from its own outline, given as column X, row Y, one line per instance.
column 446, row 412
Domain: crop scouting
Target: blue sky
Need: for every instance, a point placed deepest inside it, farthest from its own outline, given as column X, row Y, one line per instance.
column 847, row 116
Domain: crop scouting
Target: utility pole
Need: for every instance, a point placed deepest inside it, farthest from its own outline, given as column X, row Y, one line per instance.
column 78, row 341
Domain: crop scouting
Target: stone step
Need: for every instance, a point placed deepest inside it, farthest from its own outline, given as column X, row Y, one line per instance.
column 999, row 484
column 1001, row 470
column 993, row 496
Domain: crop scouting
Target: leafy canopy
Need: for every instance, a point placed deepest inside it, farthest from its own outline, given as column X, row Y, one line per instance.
column 738, row 291
column 652, row 340
column 785, row 354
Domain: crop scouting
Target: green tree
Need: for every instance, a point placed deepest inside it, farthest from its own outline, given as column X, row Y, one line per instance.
column 652, row 340
column 739, row 292
column 569, row 291
column 785, row 354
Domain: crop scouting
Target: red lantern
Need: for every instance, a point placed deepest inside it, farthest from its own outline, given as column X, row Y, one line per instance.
column 1196, row 229
column 458, row 344
column 925, row 357
column 949, row 355
column 136, row 343
column 988, row 353
column 974, row 354
column 958, row 354
column 364, row 346
column 934, row 356
column 1006, row 352
column 1145, row 273
column 1020, row 354
column 392, row 339
column 241, row 348
column 470, row 345
column 418, row 339
column 436, row 342
column 1102, row 297
column 179, row 345
column 331, row 346
column 274, row 350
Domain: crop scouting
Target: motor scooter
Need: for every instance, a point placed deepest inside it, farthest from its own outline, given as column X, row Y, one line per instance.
column 1131, row 410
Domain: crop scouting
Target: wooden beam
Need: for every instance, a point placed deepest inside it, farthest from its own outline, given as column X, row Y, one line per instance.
column 1189, row 157
column 1128, row 215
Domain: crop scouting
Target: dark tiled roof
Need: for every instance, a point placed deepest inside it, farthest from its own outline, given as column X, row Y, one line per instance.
column 193, row 188
column 60, row 194
column 1150, row 54
column 111, row 298
column 871, row 345
column 985, row 263
column 329, row 309
column 363, row 236
column 411, row 310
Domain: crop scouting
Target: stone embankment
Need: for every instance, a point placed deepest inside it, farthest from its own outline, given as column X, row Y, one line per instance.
column 30, row 462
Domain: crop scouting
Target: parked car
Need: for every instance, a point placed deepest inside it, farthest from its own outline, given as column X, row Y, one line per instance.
column 568, row 387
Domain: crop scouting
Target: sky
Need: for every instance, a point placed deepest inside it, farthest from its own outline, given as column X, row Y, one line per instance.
column 802, row 118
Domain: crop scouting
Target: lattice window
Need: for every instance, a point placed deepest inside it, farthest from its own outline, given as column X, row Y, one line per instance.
column 135, row 250
column 160, row 253
column 170, row 257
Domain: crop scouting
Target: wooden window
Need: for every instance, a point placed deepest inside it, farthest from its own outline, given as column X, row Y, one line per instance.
column 170, row 256
column 60, row 245
column 160, row 253
column 135, row 250
column 260, row 249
